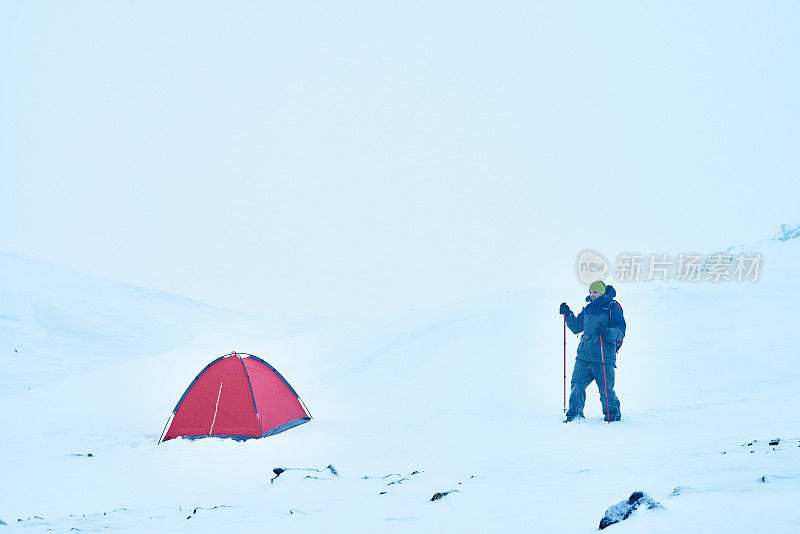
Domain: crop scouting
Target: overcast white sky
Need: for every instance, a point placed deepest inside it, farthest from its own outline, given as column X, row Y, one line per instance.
column 332, row 156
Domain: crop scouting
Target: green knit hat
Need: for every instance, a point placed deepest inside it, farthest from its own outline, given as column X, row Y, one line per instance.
column 598, row 286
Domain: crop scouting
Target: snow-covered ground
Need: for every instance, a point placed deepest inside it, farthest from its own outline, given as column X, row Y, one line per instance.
column 466, row 400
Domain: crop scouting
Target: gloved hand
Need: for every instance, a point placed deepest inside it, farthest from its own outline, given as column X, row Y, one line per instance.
column 564, row 309
column 601, row 331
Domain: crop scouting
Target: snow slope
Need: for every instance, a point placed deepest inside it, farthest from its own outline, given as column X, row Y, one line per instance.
column 464, row 400
column 55, row 322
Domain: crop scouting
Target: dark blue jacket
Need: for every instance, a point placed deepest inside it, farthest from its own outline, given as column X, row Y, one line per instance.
column 602, row 312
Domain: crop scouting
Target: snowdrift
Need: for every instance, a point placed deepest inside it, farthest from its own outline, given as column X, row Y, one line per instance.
column 463, row 402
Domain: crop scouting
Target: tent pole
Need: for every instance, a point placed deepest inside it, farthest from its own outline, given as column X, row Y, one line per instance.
column 304, row 406
column 165, row 428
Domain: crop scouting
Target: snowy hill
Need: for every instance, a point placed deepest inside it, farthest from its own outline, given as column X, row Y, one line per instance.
column 55, row 323
column 464, row 401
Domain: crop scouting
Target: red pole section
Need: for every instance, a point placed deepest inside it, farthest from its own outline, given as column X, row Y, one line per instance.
column 565, row 363
column 605, row 384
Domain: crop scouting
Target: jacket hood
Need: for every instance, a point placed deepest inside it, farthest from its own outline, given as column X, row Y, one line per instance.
column 609, row 294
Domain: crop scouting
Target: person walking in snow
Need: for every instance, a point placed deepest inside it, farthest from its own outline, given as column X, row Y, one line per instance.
column 600, row 319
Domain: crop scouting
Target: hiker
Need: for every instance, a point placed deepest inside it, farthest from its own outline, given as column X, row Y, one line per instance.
column 600, row 319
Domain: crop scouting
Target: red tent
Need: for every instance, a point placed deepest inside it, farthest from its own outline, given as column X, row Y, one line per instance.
column 237, row 396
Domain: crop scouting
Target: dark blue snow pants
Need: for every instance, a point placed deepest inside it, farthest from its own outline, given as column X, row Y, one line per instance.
column 582, row 375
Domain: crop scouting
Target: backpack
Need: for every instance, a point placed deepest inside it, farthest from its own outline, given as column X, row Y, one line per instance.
column 619, row 342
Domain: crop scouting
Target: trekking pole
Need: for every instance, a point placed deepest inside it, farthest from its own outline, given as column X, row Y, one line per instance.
column 605, row 384
column 565, row 364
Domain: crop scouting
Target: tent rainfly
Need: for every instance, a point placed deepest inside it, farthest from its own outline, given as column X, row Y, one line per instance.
column 237, row 396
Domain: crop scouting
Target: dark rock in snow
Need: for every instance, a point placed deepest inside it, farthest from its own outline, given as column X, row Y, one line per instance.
column 279, row 470
column 390, row 475
column 623, row 510
column 32, row 518
column 439, row 495
column 775, row 441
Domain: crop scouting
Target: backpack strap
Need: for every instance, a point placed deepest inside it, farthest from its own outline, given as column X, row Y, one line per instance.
column 609, row 309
